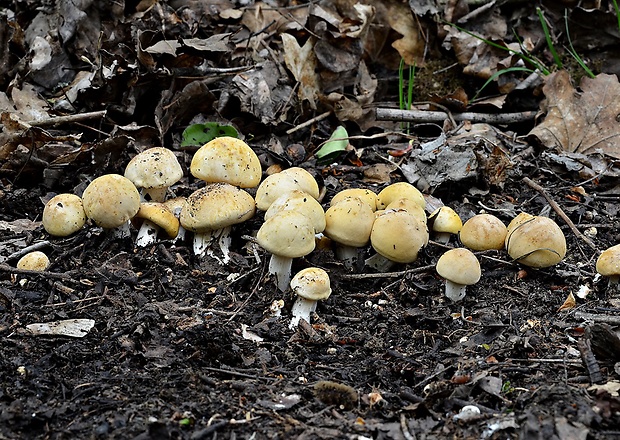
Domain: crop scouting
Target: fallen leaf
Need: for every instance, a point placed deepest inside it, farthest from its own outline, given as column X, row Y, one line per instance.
column 569, row 303
column 583, row 122
column 75, row 328
column 302, row 63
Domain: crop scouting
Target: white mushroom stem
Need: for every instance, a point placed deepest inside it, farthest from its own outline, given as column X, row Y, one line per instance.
column 201, row 242
column 147, row 234
column 379, row 263
column 281, row 268
column 442, row 237
column 346, row 254
column 454, row 291
column 122, row 231
column 302, row 309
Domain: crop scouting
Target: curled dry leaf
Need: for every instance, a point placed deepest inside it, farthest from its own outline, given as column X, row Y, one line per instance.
column 582, row 122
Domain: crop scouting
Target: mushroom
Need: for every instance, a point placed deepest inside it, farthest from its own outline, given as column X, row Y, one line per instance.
column 409, row 205
column 63, row 215
column 398, row 237
column 155, row 215
column 35, row 261
column 520, row 218
column 445, row 221
column 286, row 235
column 460, row 268
column 175, row 205
column 110, row 201
column 211, row 211
column 348, row 223
column 483, row 232
column 536, row 242
column 284, row 182
column 297, row 200
column 399, row 190
column 608, row 265
column 154, row 170
column 227, row 159
column 310, row 285
column 365, row 195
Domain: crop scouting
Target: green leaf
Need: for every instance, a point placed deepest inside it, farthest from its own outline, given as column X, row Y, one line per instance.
column 200, row 134
column 334, row 147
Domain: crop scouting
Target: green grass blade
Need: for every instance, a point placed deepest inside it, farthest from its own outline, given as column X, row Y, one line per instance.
column 500, row 73
column 571, row 50
column 617, row 9
column 401, row 84
column 543, row 23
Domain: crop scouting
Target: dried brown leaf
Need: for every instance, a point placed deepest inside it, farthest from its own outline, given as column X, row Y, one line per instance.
column 302, row 62
column 582, row 122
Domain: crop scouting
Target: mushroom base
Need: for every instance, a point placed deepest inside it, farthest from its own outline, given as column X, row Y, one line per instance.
column 281, row 268
column 302, row 309
column 455, row 292
column 204, row 244
column 147, row 234
column 346, row 254
column 379, row 263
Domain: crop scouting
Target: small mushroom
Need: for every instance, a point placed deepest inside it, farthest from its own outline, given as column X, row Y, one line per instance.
column 63, row 215
column 409, row 205
column 608, row 265
column 310, row 285
column 445, row 222
column 35, row 261
column 399, row 190
column 286, row 235
column 176, row 205
column 366, row 195
column 111, row 201
column 156, row 216
column 483, row 232
column 284, row 182
column 460, row 268
column 536, row 242
column 154, row 171
column 300, row 201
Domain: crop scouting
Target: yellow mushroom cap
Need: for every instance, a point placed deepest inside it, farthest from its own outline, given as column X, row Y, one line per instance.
column 520, row 218
column 160, row 215
column 399, row 236
column 216, row 206
column 399, row 190
column 287, row 234
column 36, row 261
column 349, row 222
column 312, row 283
column 608, row 263
column 302, row 202
column 445, row 219
column 459, row 266
column 284, row 182
column 536, row 242
column 409, row 205
column 156, row 167
column 63, row 215
column 111, row 200
column 483, row 232
column 366, row 195
column 227, row 159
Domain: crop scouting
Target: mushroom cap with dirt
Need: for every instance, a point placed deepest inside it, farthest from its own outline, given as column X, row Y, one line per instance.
column 608, row 264
column 297, row 200
column 155, row 216
column 63, row 215
column 284, row 182
column 154, row 170
column 310, row 285
column 111, row 200
column 445, row 222
column 399, row 190
column 366, row 195
column 227, row 159
column 460, row 268
column 210, row 212
column 36, row 261
column 536, row 242
column 398, row 236
column 483, row 232
column 286, row 235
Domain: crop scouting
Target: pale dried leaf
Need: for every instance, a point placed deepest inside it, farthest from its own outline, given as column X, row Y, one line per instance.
column 75, row 328
column 584, row 122
column 301, row 61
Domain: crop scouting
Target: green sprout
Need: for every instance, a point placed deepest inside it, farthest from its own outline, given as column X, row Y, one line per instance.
column 405, row 102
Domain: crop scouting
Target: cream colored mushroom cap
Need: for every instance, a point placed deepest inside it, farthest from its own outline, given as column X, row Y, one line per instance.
column 63, row 215
column 399, row 190
column 299, row 201
column 520, row 218
column 160, row 215
column 111, row 200
column 459, row 266
column 537, row 242
column 287, row 234
column 279, row 184
column 227, row 159
column 483, row 232
column 349, row 222
column 35, row 260
column 608, row 263
column 156, row 167
column 366, row 195
column 216, row 206
column 399, row 236
column 409, row 205
column 445, row 219
column 306, row 181
column 312, row 283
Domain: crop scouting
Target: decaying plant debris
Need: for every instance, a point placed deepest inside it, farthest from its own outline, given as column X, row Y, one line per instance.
column 115, row 341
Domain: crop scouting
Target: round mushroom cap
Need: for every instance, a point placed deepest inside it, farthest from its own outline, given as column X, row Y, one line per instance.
column 399, row 236
column 111, row 200
column 227, row 159
column 299, row 201
column 305, row 180
column 445, row 219
column 287, row 234
column 483, row 232
column 520, row 218
column 216, row 206
column 409, row 205
column 279, row 184
column 399, row 190
column 63, row 215
column 311, row 283
column 459, row 266
column 160, row 215
column 156, row 167
column 35, row 260
column 608, row 263
column 349, row 222
column 537, row 242
column 366, row 195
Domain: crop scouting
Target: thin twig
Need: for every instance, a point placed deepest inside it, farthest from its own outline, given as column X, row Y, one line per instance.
column 559, row 211
column 57, row 120
column 594, row 317
column 308, row 122
column 43, row 274
column 361, row 276
column 392, row 114
column 33, row 247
